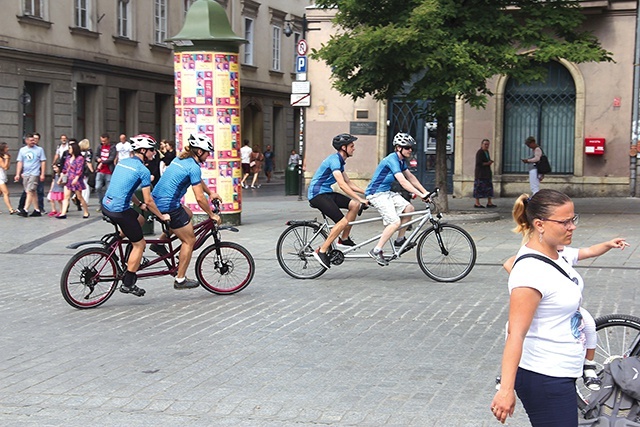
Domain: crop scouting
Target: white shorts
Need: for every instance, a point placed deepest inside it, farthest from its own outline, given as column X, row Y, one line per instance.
column 389, row 204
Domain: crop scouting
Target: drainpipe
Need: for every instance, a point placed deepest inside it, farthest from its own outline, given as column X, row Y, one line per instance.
column 635, row 128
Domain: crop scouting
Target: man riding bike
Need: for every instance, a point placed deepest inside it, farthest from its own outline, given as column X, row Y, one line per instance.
column 389, row 203
column 322, row 196
column 128, row 175
column 183, row 172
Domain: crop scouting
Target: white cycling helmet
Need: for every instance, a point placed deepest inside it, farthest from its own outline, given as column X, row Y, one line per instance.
column 201, row 141
column 142, row 141
column 403, row 140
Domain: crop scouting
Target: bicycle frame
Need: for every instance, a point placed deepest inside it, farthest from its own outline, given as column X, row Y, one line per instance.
column 425, row 216
column 116, row 245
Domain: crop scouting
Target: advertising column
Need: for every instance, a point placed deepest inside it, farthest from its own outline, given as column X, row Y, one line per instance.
column 207, row 100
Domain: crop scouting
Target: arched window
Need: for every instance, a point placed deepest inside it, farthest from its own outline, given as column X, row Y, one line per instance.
column 546, row 111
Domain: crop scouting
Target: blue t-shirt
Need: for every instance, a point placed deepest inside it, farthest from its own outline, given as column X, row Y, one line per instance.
column 31, row 157
column 384, row 175
column 323, row 179
column 128, row 175
column 174, row 182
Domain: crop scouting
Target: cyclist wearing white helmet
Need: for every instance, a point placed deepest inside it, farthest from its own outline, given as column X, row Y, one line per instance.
column 129, row 174
column 183, row 172
column 322, row 196
column 389, row 203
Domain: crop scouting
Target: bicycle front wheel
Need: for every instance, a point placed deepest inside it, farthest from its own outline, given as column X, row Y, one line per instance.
column 447, row 254
column 618, row 336
column 225, row 269
column 295, row 247
column 89, row 278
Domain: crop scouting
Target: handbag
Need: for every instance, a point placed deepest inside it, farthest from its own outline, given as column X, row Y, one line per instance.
column 543, row 165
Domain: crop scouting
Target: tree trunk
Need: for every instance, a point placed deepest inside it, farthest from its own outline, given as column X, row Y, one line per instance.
column 442, row 131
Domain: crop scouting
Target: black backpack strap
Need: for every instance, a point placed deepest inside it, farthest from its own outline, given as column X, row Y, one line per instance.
column 545, row 259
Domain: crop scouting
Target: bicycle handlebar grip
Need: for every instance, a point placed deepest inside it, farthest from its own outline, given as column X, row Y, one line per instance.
column 215, row 203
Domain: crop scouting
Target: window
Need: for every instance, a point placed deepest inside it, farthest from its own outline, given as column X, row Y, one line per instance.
column 124, row 18
column 34, row 8
column 275, row 51
column 248, row 35
column 160, row 23
column 545, row 110
column 83, row 14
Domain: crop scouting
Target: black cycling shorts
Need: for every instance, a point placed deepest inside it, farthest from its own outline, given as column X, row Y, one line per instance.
column 179, row 218
column 330, row 204
column 128, row 223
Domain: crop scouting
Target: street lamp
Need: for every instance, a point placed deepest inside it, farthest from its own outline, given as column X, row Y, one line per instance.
column 25, row 99
column 288, row 31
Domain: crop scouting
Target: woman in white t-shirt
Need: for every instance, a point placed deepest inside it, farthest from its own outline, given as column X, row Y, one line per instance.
column 545, row 346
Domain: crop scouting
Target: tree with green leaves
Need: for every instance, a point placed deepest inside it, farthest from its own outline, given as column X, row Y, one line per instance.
column 448, row 49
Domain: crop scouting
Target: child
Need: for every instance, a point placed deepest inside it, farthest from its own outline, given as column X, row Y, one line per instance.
column 56, row 193
column 572, row 256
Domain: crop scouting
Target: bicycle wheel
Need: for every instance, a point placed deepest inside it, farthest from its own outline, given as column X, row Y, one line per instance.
column 446, row 255
column 618, row 336
column 89, row 278
column 225, row 272
column 295, row 247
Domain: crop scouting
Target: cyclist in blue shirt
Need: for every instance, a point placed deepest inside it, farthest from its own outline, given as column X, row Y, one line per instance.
column 322, row 196
column 182, row 173
column 128, row 176
column 389, row 203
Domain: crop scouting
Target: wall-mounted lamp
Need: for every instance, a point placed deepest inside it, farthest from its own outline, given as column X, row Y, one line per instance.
column 288, row 29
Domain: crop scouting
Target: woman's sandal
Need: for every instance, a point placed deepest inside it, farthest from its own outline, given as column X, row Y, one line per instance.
column 13, row 211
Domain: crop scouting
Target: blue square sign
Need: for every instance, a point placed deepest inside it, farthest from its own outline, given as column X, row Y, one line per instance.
column 301, row 64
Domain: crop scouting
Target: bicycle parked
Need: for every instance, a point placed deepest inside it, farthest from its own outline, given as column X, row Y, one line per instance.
column 445, row 252
column 618, row 336
column 91, row 276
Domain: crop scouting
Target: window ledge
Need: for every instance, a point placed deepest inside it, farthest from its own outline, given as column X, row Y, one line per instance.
column 160, row 48
column 248, row 67
column 79, row 31
column 34, row 20
column 125, row 41
column 276, row 73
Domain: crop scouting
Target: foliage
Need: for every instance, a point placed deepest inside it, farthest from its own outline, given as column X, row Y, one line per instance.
column 450, row 48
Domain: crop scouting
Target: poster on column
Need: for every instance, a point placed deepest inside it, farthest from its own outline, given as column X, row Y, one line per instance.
column 207, row 101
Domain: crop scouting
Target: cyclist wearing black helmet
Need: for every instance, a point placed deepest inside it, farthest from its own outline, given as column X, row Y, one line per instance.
column 182, row 173
column 128, row 175
column 389, row 203
column 321, row 195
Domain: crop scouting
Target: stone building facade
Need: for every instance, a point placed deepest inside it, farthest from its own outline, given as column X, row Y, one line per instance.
column 86, row 67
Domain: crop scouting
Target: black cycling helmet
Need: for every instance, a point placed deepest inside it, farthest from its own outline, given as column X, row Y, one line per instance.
column 341, row 140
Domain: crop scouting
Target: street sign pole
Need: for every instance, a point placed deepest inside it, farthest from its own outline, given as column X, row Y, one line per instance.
column 301, row 65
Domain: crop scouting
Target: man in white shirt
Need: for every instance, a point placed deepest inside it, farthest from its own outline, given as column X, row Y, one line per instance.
column 245, row 157
column 123, row 148
column 62, row 151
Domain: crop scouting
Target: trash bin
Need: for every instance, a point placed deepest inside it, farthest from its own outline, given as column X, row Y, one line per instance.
column 148, row 226
column 291, row 180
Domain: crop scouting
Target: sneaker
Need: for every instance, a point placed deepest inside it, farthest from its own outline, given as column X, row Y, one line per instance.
column 23, row 213
column 323, row 258
column 158, row 249
column 187, row 284
column 408, row 247
column 133, row 289
column 35, row 213
column 99, row 210
column 590, row 377
column 378, row 257
column 53, row 213
column 397, row 243
column 346, row 242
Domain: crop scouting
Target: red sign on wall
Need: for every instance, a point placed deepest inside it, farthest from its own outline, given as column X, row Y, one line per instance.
column 594, row 146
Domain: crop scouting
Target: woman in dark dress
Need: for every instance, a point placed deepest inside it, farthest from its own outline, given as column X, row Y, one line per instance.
column 483, row 184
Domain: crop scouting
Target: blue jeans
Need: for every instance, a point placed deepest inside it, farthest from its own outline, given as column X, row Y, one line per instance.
column 102, row 183
column 549, row 401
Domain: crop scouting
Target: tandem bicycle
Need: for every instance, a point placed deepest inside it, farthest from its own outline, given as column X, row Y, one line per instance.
column 91, row 276
column 445, row 252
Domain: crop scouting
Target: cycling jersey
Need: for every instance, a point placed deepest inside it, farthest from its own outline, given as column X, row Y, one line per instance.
column 323, row 179
column 175, row 181
column 384, row 175
column 128, row 175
